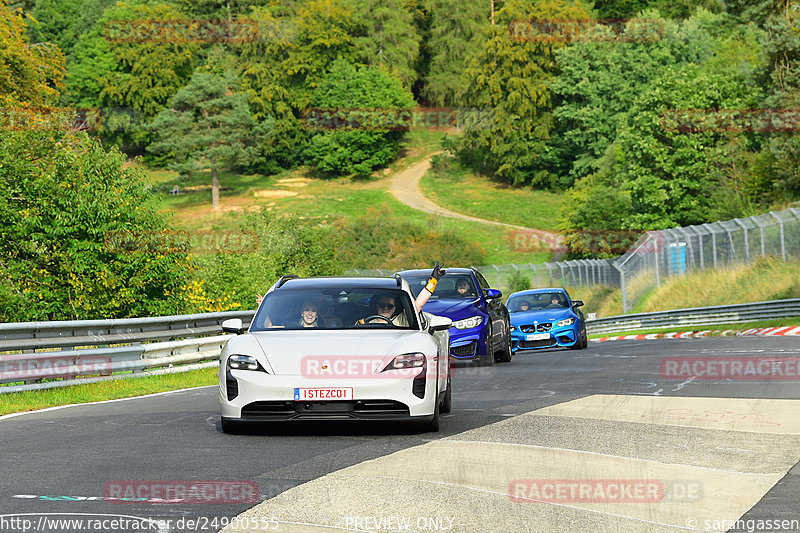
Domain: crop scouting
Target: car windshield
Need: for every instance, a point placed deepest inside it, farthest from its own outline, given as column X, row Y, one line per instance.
column 451, row 286
column 522, row 303
column 333, row 309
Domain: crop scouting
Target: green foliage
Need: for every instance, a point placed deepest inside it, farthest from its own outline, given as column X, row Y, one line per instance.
column 379, row 240
column 29, row 74
column 108, row 72
column 206, row 125
column 456, row 28
column 518, row 283
column 62, row 197
column 351, row 88
column 286, row 245
column 385, row 36
column 512, row 78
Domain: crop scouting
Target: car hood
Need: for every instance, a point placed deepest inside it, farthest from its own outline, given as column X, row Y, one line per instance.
column 543, row 315
column 288, row 351
column 455, row 309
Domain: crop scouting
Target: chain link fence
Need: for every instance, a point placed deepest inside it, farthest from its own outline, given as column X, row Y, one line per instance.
column 656, row 256
column 674, row 252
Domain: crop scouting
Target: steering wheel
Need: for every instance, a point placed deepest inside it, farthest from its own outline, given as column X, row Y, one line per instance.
column 370, row 317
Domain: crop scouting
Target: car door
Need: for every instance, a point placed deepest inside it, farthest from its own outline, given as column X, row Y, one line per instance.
column 497, row 315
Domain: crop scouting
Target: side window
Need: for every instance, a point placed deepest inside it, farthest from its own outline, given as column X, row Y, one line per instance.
column 482, row 281
column 422, row 321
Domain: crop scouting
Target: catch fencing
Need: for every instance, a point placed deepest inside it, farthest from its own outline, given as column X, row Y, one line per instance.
column 659, row 255
column 656, row 256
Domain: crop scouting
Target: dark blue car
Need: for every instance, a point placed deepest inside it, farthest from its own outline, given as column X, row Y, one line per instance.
column 481, row 325
column 546, row 318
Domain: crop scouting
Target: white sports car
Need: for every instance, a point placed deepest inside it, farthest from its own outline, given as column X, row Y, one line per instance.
column 336, row 349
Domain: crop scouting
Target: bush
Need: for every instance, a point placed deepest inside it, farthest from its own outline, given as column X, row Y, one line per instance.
column 378, row 240
column 351, row 150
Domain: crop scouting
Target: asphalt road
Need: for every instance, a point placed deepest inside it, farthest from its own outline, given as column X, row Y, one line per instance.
column 603, row 413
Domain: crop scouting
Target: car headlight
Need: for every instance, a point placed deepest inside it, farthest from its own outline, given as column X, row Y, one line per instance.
column 565, row 322
column 466, row 323
column 512, row 328
column 405, row 361
column 244, row 362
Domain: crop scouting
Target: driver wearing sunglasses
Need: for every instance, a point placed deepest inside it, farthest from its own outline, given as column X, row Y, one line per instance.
column 386, row 305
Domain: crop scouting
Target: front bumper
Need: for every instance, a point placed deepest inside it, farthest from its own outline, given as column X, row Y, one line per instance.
column 468, row 344
column 261, row 397
column 562, row 337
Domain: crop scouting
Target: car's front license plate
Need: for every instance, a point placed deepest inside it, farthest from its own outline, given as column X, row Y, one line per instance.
column 538, row 337
column 323, row 393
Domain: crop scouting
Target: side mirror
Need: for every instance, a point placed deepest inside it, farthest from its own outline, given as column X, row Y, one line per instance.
column 439, row 323
column 232, row 325
column 492, row 294
column 577, row 303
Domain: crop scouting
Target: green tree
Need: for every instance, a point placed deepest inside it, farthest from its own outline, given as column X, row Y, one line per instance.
column 206, row 125
column 456, row 28
column 385, row 36
column 63, row 202
column 511, row 76
column 29, row 73
column 599, row 80
column 109, row 71
column 356, row 149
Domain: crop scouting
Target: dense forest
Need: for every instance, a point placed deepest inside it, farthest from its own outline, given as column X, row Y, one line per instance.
column 638, row 127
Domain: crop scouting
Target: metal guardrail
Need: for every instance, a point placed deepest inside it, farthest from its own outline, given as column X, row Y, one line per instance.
column 698, row 316
column 108, row 349
column 101, row 350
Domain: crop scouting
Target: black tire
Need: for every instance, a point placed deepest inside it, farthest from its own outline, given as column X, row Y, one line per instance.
column 585, row 343
column 433, row 425
column 231, row 427
column 505, row 355
column 447, row 402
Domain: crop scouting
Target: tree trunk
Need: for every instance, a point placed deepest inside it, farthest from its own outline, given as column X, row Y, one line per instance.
column 214, row 186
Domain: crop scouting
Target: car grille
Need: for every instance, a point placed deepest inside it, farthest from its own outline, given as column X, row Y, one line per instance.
column 468, row 350
column 537, row 344
column 336, row 410
column 533, row 328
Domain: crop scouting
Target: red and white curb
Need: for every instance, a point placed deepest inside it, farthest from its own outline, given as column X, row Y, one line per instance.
column 769, row 332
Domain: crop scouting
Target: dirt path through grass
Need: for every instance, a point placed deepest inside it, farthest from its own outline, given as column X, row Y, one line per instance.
column 405, row 187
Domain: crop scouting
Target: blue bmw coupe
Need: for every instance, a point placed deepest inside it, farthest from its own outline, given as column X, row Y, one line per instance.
column 546, row 318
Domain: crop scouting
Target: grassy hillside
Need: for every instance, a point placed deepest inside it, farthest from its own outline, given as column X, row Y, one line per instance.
column 768, row 278
column 341, row 201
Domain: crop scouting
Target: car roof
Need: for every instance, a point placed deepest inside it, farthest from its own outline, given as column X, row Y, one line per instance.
column 427, row 271
column 340, row 282
column 537, row 291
